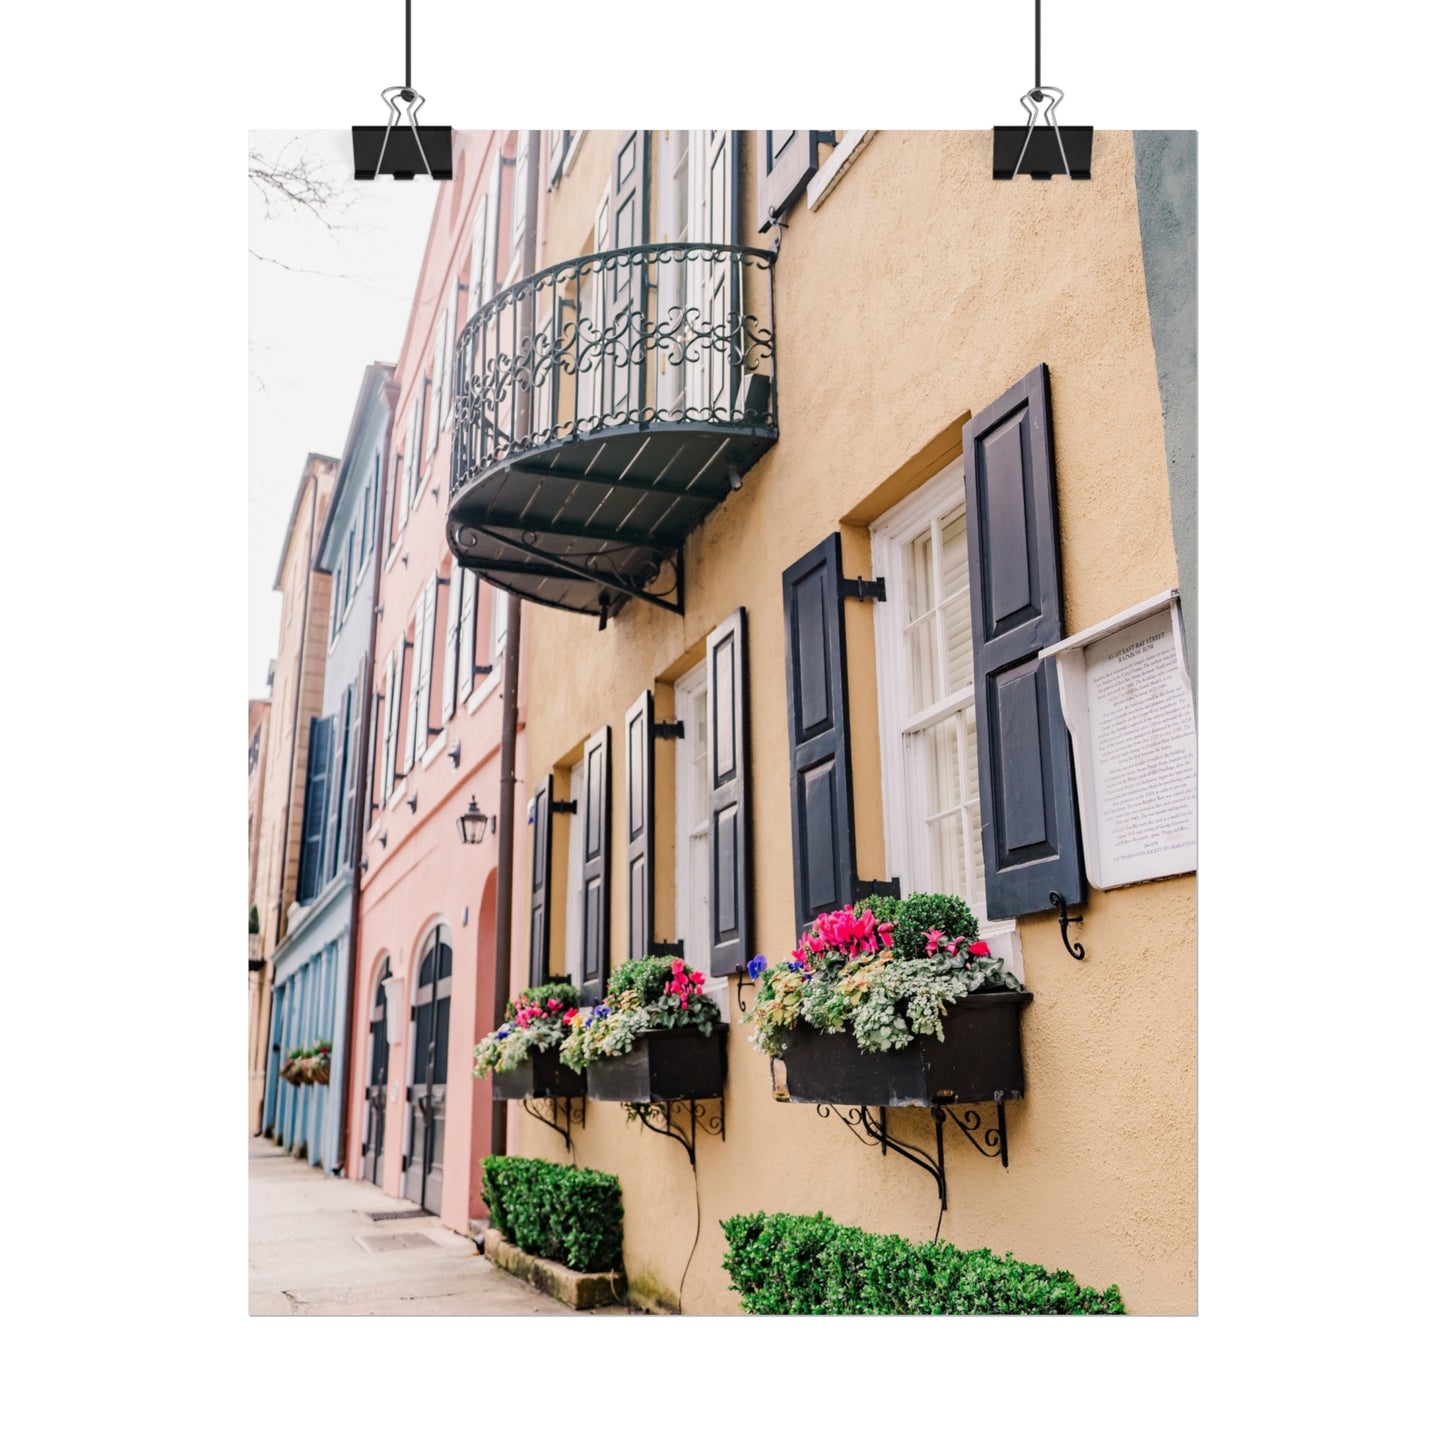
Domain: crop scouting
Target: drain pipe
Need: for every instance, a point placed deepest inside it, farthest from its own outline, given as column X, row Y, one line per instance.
column 364, row 780
column 511, row 658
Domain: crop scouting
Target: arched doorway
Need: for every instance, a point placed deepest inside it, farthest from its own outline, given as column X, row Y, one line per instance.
column 426, row 1093
column 374, row 1140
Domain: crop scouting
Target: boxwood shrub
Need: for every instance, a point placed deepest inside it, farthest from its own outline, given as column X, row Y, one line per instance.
column 556, row 1211
column 788, row 1264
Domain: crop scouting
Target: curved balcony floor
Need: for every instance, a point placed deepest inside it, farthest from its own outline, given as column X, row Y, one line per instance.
column 586, row 523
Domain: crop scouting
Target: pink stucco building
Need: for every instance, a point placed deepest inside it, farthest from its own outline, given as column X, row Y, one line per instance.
column 419, row 1122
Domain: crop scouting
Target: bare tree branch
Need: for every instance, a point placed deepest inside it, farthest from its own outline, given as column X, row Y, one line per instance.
column 296, row 180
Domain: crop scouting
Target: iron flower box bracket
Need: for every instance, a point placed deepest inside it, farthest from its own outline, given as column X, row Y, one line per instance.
column 978, row 1060
column 547, row 1089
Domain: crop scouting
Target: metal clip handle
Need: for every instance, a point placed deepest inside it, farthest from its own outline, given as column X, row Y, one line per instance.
column 1032, row 101
column 414, row 101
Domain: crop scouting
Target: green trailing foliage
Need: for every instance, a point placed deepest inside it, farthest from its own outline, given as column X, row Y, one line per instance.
column 537, row 1019
column 556, row 1211
column 788, row 1264
column 642, row 994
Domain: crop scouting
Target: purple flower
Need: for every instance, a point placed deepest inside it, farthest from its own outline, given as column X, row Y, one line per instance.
column 756, row 966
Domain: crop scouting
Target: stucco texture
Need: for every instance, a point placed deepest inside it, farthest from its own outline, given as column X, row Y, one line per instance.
column 916, row 294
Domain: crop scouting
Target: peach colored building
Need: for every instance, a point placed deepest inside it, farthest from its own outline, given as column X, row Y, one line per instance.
column 296, row 699
column 418, row 1121
column 857, row 509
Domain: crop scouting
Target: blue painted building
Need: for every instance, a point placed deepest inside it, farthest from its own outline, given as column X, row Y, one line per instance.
column 313, row 969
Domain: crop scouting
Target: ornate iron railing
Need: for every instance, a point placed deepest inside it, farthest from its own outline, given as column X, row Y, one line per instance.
column 647, row 337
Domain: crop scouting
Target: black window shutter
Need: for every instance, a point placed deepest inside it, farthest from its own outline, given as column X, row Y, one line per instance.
column 820, row 772
column 356, row 765
column 1031, row 842
column 313, row 823
column 638, row 740
column 787, row 161
column 541, row 917
column 336, row 787
column 727, row 761
column 595, row 816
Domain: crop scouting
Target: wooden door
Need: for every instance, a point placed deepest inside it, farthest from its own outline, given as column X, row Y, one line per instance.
column 426, row 1093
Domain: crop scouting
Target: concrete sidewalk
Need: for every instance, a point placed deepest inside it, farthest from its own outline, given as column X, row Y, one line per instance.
column 314, row 1250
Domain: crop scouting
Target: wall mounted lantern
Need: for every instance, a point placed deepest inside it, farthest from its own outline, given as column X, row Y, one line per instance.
column 473, row 824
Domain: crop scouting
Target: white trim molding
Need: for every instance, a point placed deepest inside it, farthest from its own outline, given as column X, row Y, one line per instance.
column 831, row 171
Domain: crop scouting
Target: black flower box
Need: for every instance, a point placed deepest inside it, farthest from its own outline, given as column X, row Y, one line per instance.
column 542, row 1076
column 664, row 1064
column 979, row 1059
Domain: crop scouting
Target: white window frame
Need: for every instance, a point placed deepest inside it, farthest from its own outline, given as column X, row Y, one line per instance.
column 891, row 535
column 572, row 943
column 692, row 902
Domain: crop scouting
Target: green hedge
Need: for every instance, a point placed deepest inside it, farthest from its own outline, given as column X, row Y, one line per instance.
column 556, row 1211
column 788, row 1264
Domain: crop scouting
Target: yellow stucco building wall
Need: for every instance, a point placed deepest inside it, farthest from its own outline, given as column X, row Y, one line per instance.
column 914, row 295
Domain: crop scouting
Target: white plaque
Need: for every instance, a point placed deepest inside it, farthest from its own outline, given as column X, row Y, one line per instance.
column 1126, row 701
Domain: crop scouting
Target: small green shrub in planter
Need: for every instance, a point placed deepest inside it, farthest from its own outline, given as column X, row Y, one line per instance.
column 556, row 1211
column 788, row 1264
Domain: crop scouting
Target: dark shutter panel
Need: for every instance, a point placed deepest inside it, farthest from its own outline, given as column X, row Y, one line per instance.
column 335, row 789
column 357, row 765
column 727, row 761
column 1030, row 816
column 313, row 823
column 787, row 161
column 637, row 732
column 595, row 817
column 820, row 773
column 541, row 917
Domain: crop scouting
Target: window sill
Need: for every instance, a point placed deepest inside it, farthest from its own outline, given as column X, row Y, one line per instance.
column 1003, row 943
column 490, row 683
column 434, row 751
column 393, row 554
column 831, row 171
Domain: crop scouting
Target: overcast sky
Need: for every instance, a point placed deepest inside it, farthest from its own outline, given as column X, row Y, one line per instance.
column 313, row 330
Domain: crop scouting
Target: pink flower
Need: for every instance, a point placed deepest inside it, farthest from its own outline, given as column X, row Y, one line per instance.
column 817, row 945
column 951, row 947
column 979, row 949
column 799, row 954
column 569, row 1015
column 885, row 932
column 935, row 937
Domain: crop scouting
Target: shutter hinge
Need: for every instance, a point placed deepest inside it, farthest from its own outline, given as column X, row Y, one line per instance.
column 861, row 590
column 568, row 807
column 668, row 730
column 481, row 669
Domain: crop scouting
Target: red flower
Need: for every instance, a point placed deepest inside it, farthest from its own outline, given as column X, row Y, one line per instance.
column 979, row 949
column 569, row 1015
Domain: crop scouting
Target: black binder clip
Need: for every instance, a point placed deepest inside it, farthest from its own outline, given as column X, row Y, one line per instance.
column 402, row 150
column 1042, row 151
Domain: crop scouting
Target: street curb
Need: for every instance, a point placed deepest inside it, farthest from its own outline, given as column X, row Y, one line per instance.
column 576, row 1291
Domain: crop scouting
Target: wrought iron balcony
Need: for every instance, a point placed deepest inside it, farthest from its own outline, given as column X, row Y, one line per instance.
column 604, row 407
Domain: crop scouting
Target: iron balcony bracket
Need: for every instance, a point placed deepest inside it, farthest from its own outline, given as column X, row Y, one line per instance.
column 995, row 1141
column 1076, row 950
column 573, row 1111
column 871, row 1131
column 658, row 1118
column 861, row 589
